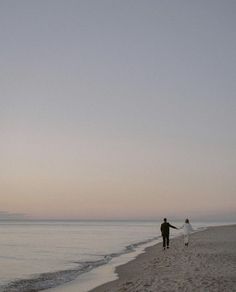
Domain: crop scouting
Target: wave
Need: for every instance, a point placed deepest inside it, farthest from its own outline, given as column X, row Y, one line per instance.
column 52, row 279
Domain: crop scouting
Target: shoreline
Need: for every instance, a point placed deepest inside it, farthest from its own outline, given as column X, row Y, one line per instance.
column 103, row 274
column 208, row 264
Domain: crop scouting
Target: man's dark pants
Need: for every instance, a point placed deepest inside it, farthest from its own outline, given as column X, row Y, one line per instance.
column 166, row 240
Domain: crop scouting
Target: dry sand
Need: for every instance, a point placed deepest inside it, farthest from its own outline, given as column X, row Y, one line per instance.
column 208, row 264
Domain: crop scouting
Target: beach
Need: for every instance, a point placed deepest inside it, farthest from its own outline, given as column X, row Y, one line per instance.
column 207, row 264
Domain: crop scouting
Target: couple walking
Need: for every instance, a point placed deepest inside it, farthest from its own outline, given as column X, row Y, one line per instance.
column 165, row 231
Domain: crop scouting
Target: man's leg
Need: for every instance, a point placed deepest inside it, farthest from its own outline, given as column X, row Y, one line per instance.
column 164, row 241
column 167, row 240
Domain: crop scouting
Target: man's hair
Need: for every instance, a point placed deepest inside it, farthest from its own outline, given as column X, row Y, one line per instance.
column 165, row 219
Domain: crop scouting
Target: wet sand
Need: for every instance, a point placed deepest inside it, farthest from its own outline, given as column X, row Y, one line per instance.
column 207, row 264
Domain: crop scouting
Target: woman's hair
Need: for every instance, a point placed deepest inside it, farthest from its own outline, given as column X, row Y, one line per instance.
column 186, row 221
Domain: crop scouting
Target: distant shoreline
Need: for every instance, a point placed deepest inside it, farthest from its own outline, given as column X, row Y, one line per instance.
column 208, row 264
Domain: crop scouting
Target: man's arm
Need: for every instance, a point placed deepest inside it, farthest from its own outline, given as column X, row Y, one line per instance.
column 161, row 228
column 172, row 226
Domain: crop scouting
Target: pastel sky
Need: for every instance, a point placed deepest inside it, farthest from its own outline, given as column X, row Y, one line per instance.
column 118, row 109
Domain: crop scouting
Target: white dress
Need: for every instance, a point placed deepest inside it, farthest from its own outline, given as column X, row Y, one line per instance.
column 187, row 229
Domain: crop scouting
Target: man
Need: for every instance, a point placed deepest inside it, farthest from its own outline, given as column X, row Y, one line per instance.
column 165, row 231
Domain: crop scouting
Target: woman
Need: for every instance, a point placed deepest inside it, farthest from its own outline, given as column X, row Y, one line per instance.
column 187, row 229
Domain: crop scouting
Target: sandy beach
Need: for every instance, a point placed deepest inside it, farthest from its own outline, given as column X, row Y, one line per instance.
column 208, row 264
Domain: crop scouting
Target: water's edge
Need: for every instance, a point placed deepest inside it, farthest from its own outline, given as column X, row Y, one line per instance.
column 53, row 279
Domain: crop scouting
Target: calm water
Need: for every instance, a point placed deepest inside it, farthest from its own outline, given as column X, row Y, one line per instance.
column 47, row 254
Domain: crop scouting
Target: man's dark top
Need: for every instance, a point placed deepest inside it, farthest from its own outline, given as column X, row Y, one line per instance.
column 165, row 228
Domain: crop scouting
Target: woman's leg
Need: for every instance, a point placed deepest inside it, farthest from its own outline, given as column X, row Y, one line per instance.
column 186, row 239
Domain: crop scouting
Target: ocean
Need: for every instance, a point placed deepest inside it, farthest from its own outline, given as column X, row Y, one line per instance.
column 38, row 255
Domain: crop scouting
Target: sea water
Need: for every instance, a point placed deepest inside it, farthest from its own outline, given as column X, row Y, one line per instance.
column 37, row 255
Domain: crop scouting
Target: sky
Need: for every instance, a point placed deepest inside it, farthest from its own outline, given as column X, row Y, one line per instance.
column 118, row 109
